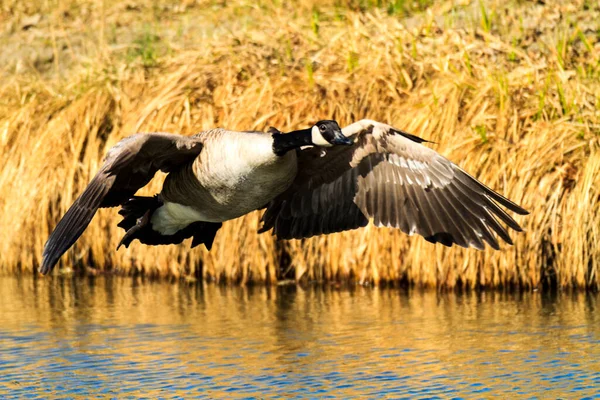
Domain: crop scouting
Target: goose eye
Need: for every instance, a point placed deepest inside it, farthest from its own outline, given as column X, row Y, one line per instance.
column 322, row 128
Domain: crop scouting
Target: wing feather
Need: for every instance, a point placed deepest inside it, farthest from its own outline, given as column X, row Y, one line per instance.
column 128, row 166
column 389, row 177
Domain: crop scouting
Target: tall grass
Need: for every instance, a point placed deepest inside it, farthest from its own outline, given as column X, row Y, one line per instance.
column 510, row 92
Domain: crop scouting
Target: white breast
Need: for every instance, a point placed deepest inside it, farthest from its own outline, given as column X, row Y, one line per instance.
column 231, row 177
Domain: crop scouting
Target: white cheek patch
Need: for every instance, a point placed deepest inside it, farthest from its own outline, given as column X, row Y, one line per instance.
column 317, row 138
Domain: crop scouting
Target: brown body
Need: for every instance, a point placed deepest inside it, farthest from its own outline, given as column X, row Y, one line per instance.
column 236, row 173
column 231, row 177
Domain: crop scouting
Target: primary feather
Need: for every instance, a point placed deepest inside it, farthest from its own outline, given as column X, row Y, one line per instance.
column 390, row 177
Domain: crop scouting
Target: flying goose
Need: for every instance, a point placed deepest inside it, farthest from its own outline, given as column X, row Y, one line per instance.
column 312, row 181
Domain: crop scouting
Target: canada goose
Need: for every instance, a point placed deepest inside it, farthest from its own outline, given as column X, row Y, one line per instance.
column 311, row 181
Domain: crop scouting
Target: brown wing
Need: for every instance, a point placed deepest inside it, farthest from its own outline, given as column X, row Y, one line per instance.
column 389, row 177
column 128, row 166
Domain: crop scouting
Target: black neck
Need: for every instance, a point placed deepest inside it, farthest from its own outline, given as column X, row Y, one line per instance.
column 282, row 143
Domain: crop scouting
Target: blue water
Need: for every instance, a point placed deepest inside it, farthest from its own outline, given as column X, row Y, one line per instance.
column 118, row 337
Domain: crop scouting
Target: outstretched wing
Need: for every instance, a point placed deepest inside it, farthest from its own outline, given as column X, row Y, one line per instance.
column 128, row 166
column 387, row 175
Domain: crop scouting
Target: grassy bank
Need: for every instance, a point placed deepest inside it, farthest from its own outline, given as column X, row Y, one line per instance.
column 509, row 91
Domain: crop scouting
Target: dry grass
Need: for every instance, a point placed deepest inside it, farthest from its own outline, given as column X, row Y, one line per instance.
column 509, row 91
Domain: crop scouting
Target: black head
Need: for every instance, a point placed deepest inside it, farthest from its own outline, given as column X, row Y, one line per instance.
column 324, row 133
column 328, row 133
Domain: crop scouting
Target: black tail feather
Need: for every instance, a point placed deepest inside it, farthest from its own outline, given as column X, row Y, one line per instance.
column 202, row 232
column 137, row 214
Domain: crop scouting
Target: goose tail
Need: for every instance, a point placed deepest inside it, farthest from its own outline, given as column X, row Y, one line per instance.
column 137, row 215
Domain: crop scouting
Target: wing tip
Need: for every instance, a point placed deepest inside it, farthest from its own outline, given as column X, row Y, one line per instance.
column 446, row 239
column 410, row 136
column 47, row 265
column 518, row 228
column 521, row 211
column 512, row 206
column 491, row 193
column 477, row 245
column 264, row 228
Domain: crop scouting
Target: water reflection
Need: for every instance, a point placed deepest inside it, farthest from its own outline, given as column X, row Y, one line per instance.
column 109, row 336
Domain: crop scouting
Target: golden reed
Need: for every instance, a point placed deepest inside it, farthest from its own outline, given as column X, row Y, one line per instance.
column 510, row 93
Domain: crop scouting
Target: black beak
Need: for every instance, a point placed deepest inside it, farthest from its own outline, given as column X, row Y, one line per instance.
column 339, row 138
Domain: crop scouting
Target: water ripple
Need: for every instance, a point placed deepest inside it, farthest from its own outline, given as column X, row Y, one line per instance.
column 181, row 341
